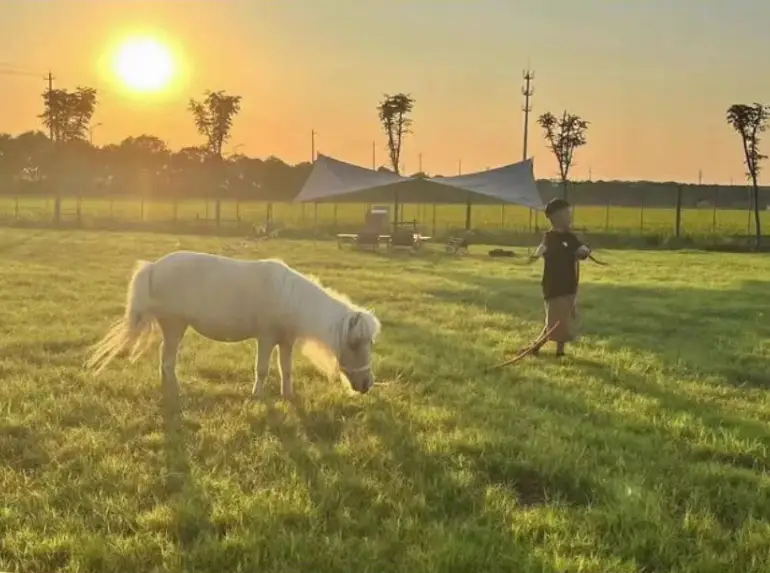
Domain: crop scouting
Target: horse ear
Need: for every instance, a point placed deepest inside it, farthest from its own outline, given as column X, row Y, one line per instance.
column 354, row 334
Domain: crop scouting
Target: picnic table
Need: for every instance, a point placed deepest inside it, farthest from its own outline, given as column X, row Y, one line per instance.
column 372, row 240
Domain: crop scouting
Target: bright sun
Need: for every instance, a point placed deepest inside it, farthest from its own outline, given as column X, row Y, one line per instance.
column 144, row 65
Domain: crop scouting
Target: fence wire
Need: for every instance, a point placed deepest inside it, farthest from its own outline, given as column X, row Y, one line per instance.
column 433, row 219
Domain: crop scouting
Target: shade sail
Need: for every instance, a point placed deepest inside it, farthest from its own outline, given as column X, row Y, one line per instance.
column 332, row 180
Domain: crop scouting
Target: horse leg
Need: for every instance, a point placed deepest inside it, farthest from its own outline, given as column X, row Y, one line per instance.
column 285, row 350
column 173, row 332
column 262, row 365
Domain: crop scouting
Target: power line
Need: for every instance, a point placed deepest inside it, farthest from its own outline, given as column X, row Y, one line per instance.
column 14, row 70
column 18, row 73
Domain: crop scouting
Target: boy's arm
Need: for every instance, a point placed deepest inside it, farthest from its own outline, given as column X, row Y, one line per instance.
column 582, row 251
column 539, row 251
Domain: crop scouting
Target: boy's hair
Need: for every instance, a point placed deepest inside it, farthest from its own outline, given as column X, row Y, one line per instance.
column 554, row 206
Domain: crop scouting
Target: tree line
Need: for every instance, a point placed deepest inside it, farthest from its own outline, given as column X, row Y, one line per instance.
column 144, row 165
column 65, row 162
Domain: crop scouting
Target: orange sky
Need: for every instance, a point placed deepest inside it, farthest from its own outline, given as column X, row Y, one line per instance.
column 654, row 77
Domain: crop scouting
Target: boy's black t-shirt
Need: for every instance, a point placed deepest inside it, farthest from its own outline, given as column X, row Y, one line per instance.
column 561, row 270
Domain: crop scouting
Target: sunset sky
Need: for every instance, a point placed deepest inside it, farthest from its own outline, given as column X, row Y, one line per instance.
column 654, row 77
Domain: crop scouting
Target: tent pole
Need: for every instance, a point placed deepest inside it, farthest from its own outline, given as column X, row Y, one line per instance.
column 468, row 207
column 395, row 211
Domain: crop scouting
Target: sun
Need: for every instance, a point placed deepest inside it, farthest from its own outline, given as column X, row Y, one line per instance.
column 144, row 65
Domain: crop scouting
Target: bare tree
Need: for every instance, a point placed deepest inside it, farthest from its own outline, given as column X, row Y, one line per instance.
column 214, row 120
column 394, row 113
column 564, row 135
column 749, row 121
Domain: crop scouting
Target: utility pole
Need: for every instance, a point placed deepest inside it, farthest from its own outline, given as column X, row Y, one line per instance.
column 460, row 167
column 419, row 162
column 700, row 177
column 374, row 156
column 50, row 105
column 53, row 131
column 312, row 162
column 527, row 91
column 312, row 145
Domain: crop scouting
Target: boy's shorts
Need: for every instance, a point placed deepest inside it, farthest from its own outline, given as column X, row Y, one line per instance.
column 562, row 309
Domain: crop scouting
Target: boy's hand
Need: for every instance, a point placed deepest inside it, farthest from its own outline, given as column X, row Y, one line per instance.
column 583, row 252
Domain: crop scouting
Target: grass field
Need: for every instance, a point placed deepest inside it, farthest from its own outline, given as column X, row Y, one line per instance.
column 435, row 219
column 647, row 450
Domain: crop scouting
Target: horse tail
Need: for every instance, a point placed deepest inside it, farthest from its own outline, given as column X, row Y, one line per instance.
column 134, row 330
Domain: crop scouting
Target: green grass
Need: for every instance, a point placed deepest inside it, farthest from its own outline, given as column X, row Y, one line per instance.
column 628, row 220
column 644, row 451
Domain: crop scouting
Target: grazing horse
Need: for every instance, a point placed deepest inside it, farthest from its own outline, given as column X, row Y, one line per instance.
column 231, row 300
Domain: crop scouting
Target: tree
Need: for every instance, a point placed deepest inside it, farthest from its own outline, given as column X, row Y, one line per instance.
column 563, row 135
column 394, row 113
column 749, row 121
column 68, row 114
column 214, row 119
column 189, row 172
column 141, row 164
column 22, row 157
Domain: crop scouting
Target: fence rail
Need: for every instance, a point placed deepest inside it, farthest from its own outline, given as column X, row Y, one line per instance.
column 433, row 219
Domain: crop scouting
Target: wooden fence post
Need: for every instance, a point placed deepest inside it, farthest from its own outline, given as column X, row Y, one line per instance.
column 678, row 226
column 434, row 220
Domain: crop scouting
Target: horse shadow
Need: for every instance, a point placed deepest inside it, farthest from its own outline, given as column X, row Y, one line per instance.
column 191, row 507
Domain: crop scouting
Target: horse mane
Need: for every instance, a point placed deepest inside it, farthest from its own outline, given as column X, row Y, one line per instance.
column 326, row 330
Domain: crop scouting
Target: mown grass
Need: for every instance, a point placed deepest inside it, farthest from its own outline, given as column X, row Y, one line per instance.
column 644, row 451
column 434, row 219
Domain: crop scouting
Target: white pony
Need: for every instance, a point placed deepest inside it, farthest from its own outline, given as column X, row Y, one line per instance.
column 231, row 300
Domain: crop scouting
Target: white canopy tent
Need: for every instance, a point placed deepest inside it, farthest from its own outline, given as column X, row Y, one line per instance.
column 335, row 180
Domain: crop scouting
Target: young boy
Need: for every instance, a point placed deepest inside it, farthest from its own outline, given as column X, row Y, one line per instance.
column 561, row 250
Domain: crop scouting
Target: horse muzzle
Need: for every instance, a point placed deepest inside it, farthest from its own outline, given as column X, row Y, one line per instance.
column 361, row 379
